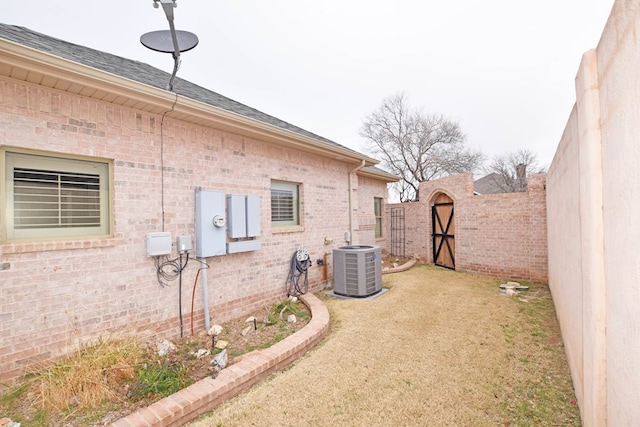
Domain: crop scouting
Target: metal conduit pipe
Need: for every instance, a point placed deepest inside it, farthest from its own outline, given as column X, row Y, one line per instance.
column 205, row 295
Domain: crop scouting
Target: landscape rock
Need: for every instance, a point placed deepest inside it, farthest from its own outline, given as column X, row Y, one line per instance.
column 246, row 330
column 7, row 422
column 221, row 344
column 201, row 353
column 292, row 318
column 215, row 330
column 164, row 347
column 220, row 361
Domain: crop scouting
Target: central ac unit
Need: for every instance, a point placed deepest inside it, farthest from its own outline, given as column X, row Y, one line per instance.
column 357, row 270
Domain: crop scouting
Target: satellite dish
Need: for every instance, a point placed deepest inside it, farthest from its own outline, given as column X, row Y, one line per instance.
column 161, row 41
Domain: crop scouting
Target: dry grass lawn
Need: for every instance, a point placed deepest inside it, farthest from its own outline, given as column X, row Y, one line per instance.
column 440, row 348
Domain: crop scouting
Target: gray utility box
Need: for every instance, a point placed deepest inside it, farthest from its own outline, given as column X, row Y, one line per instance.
column 357, row 270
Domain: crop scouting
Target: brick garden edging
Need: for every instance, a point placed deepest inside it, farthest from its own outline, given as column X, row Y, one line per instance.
column 205, row 395
column 404, row 267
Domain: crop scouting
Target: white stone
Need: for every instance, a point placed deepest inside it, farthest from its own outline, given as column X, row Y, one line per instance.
column 215, row 330
column 201, row 353
column 220, row 361
column 292, row 318
column 164, row 347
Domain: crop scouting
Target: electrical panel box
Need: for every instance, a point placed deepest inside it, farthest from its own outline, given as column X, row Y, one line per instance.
column 237, row 216
column 211, row 238
column 243, row 213
column 158, row 243
column 253, row 216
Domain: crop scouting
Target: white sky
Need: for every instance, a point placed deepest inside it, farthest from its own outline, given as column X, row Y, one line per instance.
column 503, row 69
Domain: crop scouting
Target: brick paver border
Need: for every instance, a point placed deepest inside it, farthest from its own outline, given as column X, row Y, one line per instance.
column 404, row 267
column 203, row 396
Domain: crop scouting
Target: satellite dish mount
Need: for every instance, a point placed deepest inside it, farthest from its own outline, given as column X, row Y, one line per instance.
column 169, row 41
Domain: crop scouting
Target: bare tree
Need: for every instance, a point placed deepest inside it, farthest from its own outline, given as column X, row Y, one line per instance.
column 508, row 173
column 416, row 146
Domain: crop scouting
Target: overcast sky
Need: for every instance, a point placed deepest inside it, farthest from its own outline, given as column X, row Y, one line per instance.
column 503, row 69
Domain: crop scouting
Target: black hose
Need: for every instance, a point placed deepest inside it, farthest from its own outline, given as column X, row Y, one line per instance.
column 298, row 268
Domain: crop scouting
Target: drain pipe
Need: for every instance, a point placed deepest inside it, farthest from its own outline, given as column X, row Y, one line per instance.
column 352, row 175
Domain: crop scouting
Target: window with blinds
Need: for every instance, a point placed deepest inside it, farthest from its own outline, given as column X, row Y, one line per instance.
column 377, row 209
column 50, row 197
column 44, row 199
column 284, row 204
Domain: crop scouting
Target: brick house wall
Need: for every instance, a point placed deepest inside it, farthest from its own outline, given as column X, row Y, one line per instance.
column 57, row 294
column 499, row 235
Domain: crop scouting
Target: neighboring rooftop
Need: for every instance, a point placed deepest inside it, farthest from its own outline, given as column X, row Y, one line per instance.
column 495, row 183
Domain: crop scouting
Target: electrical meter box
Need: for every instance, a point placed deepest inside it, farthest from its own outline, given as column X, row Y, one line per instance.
column 211, row 235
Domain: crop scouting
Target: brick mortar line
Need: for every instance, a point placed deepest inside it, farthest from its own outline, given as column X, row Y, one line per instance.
column 206, row 394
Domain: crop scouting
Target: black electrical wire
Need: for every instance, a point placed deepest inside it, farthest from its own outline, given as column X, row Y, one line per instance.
column 298, row 268
column 169, row 270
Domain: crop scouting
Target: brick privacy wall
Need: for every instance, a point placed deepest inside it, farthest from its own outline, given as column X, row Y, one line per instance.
column 498, row 235
column 56, row 295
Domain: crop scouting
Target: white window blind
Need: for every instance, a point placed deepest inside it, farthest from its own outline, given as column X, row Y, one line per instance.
column 284, row 204
column 54, row 197
column 44, row 199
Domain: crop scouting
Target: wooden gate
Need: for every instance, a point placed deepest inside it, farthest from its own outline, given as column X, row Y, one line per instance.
column 443, row 230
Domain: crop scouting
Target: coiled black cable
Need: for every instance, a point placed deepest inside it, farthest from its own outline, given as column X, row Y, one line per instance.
column 298, row 268
column 169, row 269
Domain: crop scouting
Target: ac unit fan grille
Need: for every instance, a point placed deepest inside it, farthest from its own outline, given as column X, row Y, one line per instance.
column 370, row 272
column 351, row 273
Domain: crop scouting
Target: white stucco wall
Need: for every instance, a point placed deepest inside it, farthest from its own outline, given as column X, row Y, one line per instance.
column 618, row 65
column 593, row 203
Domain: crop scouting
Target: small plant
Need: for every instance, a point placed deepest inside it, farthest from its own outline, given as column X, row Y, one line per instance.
column 285, row 308
column 159, row 380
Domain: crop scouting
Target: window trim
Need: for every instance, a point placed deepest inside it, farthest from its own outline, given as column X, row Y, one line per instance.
column 296, row 205
column 378, row 204
column 12, row 157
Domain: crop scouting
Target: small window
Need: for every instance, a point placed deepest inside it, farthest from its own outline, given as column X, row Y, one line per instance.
column 53, row 198
column 284, row 204
column 377, row 209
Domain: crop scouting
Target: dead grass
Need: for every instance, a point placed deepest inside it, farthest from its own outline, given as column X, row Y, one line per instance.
column 441, row 348
column 111, row 378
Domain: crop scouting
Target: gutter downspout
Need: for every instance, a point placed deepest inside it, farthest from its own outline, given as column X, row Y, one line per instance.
column 352, row 174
